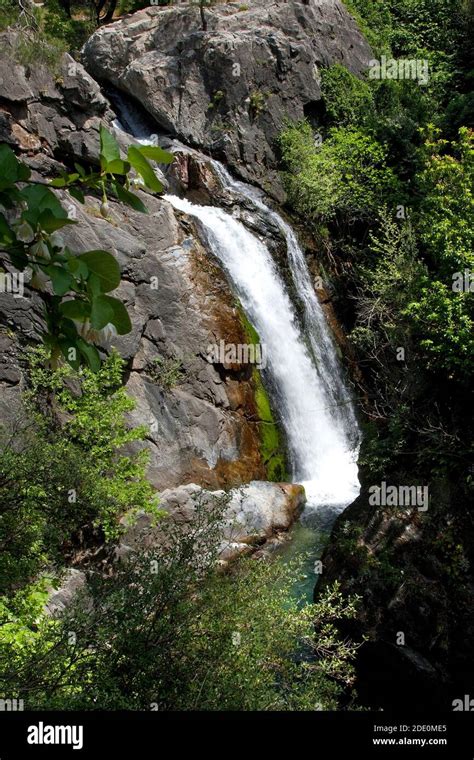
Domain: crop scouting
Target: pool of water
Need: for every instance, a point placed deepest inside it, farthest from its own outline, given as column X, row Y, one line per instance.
column 306, row 543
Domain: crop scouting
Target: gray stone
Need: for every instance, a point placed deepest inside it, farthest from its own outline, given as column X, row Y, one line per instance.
column 252, row 515
column 60, row 599
column 229, row 89
column 206, row 428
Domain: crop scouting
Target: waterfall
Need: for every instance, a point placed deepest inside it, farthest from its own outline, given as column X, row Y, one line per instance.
column 303, row 372
column 315, row 324
column 307, row 382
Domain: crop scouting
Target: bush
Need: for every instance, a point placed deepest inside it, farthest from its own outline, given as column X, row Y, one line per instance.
column 349, row 101
column 345, row 178
column 170, row 631
column 62, row 472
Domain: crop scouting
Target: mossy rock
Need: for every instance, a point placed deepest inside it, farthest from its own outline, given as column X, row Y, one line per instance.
column 271, row 447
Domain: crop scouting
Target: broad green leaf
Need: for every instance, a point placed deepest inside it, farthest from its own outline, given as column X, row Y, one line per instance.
column 129, row 198
column 24, row 172
column 94, row 286
column 144, row 169
column 109, row 148
column 77, row 194
column 39, row 198
column 156, row 154
column 90, row 354
column 117, row 166
column 49, row 222
column 18, row 257
column 61, row 279
column 64, row 180
column 77, row 267
column 70, row 351
column 80, row 170
column 11, row 169
column 120, row 319
column 9, row 197
column 102, row 312
column 104, row 266
column 75, row 309
column 7, row 236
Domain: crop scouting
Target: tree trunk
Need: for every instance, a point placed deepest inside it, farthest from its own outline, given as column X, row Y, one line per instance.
column 110, row 13
column 203, row 16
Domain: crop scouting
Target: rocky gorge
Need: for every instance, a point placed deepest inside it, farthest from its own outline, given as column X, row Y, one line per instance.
column 207, row 429
column 218, row 98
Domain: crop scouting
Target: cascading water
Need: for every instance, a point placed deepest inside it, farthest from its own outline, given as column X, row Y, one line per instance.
column 322, row 454
column 302, row 372
column 315, row 325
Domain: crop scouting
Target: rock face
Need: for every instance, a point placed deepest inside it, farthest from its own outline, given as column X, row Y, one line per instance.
column 252, row 515
column 228, row 89
column 416, row 608
column 205, row 428
column 60, row 599
column 49, row 114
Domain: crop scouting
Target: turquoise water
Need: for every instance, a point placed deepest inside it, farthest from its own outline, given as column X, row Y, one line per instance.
column 306, row 543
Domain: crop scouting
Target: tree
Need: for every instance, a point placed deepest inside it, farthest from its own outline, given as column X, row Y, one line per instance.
column 342, row 180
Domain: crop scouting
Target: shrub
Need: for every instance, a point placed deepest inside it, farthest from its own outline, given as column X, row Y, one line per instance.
column 63, row 473
column 170, row 631
column 345, row 178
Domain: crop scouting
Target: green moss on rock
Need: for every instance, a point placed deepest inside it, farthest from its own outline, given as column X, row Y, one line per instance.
column 272, row 447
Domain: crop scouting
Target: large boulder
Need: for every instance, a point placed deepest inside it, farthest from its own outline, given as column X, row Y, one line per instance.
column 60, row 599
column 228, row 89
column 249, row 516
column 49, row 113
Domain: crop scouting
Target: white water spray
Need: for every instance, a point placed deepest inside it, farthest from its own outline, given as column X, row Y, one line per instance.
column 303, row 370
column 322, row 451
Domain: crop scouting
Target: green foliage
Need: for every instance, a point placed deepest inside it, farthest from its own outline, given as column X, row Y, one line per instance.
column 169, row 631
column 74, row 286
column 23, row 626
column 446, row 214
column 406, row 27
column 375, row 21
column 444, row 325
column 346, row 178
column 391, row 111
column 258, row 102
column 398, row 262
column 166, row 371
column 8, row 13
column 63, row 475
column 349, row 100
column 73, row 31
column 44, row 32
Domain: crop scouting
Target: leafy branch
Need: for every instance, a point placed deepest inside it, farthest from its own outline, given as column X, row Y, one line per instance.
column 74, row 286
